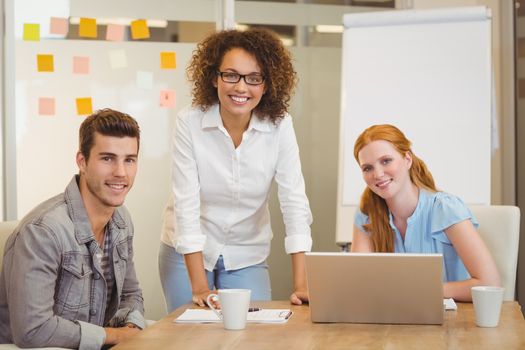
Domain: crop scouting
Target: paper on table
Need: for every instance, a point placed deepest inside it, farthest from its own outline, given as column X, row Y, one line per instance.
column 269, row 316
column 450, row 304
column 208, row 316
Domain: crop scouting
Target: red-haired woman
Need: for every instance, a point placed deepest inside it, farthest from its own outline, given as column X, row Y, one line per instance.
column 402, row 211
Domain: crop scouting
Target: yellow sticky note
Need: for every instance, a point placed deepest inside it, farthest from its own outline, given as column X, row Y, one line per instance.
column 139, row 29
column 168, row 60
column 31, row 32
column 84, row 106
column 87, row 28
column 45, row 63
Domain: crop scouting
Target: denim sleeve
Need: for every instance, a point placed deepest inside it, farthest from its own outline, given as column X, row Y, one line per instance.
column 31, row 276
column 131, row 308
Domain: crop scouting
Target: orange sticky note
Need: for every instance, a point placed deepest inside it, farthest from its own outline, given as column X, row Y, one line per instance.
column 84, row 106
column 139, row 29
column 87, row 28
column 114, row 32
column 167, row 98
column 80, row 65
column 59, row 25
column 168, row 60
column 46, row 106
column 31, row 31
column 45, row 63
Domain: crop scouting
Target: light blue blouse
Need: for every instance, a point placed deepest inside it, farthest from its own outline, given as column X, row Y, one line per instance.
column 434, row 213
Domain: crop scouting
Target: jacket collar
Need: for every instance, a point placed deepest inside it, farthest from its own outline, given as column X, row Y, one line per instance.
column 78, row 214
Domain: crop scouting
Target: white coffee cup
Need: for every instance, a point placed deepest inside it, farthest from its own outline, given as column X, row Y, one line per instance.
column 234, row 307
column 487, row 305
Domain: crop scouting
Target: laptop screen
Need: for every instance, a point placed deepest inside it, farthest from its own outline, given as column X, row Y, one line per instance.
column 375, row 287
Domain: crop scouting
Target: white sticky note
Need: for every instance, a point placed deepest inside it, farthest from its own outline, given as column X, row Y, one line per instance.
column 118, row 59
column 144, row 80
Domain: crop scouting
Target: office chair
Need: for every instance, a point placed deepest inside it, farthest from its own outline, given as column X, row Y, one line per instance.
column 499, row 226
column 6, row 228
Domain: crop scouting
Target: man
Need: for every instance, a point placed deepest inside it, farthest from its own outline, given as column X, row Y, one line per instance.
column 68, row 278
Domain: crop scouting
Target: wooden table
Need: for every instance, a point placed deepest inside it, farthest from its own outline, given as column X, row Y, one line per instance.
column 457, row 332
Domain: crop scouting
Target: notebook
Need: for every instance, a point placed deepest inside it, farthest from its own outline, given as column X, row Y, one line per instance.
column 375, row 287
column 260, row 316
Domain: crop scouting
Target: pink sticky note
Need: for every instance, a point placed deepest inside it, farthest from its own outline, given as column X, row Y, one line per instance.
column 167, row 98
column 46, row 106
column 114, row 32
column 80, row 65
column 59, row 26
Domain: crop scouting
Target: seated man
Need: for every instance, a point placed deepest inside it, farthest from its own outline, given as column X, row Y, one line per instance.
column 68, row 267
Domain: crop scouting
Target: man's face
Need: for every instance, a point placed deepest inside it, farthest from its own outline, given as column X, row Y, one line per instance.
column 107, row 176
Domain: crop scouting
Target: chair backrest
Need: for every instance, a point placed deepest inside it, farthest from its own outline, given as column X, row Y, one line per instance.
column 6, row 228
column 343, row 233
column 499, row 226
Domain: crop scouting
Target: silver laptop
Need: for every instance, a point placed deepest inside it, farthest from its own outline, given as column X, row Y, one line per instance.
column 375, row 287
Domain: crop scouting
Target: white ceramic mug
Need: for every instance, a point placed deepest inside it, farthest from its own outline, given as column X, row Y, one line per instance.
column 234, row 307
column 487, row 305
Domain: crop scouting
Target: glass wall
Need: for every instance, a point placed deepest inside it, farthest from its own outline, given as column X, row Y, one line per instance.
column 41, row 146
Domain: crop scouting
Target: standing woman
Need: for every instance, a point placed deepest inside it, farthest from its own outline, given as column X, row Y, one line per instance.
column 228, row 147
column 402, row 211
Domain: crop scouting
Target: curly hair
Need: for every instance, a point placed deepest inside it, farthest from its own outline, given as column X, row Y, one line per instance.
column 271, row 55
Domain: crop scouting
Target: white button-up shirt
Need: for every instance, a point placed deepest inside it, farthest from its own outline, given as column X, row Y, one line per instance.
column 220, row 193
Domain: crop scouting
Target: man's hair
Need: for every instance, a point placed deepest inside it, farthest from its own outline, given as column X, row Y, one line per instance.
column 107, row 122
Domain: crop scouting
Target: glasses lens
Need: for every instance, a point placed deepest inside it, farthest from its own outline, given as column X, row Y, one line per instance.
column 254, row 79
column 230, row 77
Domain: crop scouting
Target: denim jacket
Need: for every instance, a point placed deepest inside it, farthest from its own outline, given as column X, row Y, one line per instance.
column 52, row 288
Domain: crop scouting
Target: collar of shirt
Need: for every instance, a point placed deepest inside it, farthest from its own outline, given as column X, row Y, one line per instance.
column 212, row 119
column 400, row 242
column 78, row 214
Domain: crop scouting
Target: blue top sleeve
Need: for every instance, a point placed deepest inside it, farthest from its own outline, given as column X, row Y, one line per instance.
column 360, row 220
column 448, row 210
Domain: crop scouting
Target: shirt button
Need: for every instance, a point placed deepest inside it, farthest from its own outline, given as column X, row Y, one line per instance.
column 96, row 276
column 92, row 312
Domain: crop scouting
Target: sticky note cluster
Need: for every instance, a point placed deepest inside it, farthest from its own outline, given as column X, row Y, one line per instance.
column 81, row 65
column 87, row 28
column 57, row 25
column 46, row 106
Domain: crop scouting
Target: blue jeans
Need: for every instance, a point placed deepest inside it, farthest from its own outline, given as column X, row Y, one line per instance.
column 176, row 283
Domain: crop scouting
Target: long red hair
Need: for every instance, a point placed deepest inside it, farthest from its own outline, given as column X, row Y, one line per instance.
column 374, row 206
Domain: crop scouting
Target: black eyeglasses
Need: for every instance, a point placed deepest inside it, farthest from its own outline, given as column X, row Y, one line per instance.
column 250, row 79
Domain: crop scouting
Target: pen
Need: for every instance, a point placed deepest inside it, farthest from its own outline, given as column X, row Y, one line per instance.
column 253, row 309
